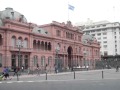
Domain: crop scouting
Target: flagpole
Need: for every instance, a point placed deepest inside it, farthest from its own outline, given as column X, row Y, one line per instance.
column 68, row 10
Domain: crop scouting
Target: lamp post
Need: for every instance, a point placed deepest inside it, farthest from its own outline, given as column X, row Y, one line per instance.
column 57, row 49
column 19, row 45
column 85, row 58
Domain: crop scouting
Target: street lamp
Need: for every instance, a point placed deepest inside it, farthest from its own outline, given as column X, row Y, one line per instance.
column 85, row 53
column 19, row 45
column 57, row 49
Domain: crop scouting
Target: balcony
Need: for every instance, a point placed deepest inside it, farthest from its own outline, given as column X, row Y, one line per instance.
column 22, row 49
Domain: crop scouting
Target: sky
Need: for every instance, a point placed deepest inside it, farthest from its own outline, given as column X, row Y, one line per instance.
column 45, row 11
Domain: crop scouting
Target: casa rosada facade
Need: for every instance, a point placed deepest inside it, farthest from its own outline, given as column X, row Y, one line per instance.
column 30, row 45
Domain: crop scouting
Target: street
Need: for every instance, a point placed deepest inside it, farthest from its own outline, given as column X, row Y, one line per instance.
column 83, row 80
column 107, row 84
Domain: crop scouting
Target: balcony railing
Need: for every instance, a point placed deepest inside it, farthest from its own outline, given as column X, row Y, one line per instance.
column 11, row 48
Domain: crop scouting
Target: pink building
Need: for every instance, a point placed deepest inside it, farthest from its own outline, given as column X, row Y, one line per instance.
column 30, row 45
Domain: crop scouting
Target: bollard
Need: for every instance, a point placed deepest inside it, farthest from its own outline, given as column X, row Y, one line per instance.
column 46, row 75
column 17, row 77
column 102, row 75
column 74, row 74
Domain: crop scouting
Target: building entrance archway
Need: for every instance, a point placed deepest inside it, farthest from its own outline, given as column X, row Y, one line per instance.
column 70, row 57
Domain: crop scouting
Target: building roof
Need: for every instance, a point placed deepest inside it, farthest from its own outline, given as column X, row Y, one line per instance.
column 9, row 13
column 87, row 38
column 38, row 30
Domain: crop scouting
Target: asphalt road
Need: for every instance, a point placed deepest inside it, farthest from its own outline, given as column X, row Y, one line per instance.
column 84, row 80
column 106, row 84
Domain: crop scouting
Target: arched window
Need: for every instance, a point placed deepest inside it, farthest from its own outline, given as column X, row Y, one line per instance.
column 13, row 41
column 35, row 60
column 0, row 39
column 46, row 46
column 49, row 46
column 42, row 45
column 34, row 44
column 19, row 42
column 0, row 60
column 43, row 61
column 38, row 45
column 25, row 43
column 50, row 61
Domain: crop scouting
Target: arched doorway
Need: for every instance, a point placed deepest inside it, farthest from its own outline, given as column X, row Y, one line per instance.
column 1, row 39
column 70, row 52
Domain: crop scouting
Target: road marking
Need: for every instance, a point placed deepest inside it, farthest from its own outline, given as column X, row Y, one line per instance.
column 0, row 82
column 20, row 81
column 31, row 81
column 9, row 82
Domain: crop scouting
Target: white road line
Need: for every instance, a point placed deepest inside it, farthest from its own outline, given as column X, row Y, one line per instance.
column 9, row 82
column 20, row 81
column 0, row 82
column 31, row 81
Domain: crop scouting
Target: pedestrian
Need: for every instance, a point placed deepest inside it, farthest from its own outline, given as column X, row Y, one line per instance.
column 38, row 69
column 55, row 68
column 6, row 73
column 15, row 71
column 28, row 70
column 22, row 68
column 117, row 68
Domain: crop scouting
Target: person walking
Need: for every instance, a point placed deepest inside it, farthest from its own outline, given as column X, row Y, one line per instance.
column 117, row 68
column 15, row 71
column 38, row 69
column 6, row 73
column 28, row 70
column 22, row 68
column 56, row 70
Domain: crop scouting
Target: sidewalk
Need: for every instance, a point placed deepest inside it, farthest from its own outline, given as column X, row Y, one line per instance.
column 24, row 75
column 88, row 75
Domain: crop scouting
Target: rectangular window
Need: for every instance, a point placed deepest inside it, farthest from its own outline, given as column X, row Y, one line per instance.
column 98, row 30
column 105, row 53
column 104, row 25
column 105, row 46
column 104, row 37
column 99, row 34
column 104, row 29
column 105, row 33
column 92, row 30
column 87, row 27
column 93, row 34
column 99, row 38
column 98, row 26
column 104, row 41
